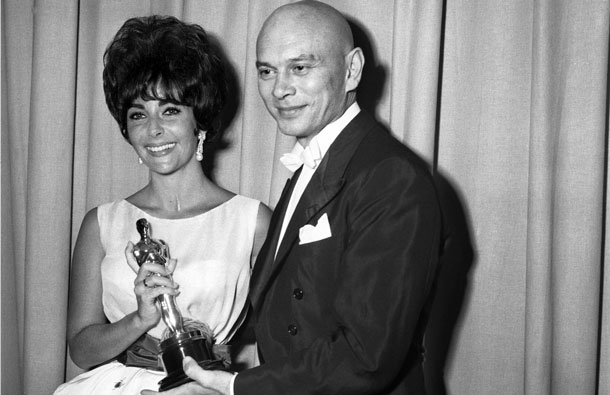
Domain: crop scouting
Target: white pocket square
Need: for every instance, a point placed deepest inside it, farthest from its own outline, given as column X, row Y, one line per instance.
column 310, row 233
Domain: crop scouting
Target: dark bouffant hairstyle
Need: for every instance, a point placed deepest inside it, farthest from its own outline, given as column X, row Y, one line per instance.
column 163, row 58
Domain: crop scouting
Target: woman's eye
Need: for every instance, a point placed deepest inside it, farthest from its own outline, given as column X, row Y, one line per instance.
column 136, row 116
column 171, row 111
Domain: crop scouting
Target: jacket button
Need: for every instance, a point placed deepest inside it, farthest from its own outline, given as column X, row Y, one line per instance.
column 297, row 293
column 292, row 329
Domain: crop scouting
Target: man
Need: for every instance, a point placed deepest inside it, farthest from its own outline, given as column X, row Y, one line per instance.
column 340, row 288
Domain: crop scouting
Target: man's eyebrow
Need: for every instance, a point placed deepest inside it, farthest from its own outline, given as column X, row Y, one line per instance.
column 307, row 57
column 262, row 64
column 299, row 58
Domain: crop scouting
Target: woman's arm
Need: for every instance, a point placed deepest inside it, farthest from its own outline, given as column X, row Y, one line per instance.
column 262, row 226
column 91, row 338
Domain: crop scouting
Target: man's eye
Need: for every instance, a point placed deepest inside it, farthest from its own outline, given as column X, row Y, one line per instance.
column 264, row 73
column 300, row 69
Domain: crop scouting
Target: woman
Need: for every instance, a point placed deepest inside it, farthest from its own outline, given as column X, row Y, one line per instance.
column 164, row 85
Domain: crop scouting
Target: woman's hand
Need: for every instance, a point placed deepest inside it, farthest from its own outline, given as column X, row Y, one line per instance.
column 152, row 280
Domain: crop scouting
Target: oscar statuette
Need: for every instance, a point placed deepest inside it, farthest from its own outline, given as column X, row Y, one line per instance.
column 180, row 340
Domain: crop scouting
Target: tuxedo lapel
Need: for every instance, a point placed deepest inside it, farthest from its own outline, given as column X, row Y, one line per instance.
column 325, row 184
column 314, row 198
column 264, row 262
column 278, row 219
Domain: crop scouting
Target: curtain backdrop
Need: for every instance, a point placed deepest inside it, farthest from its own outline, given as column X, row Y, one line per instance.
column 507, row 101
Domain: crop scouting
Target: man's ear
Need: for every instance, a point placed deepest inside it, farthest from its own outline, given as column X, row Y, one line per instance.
column 355, row 64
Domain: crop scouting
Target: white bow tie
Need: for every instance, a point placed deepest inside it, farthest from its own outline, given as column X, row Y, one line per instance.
column 309, row 156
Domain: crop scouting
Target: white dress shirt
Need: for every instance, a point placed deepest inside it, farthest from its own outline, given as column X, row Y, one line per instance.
column 318, row 146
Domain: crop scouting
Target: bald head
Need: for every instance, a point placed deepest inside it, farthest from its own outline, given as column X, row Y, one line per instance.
column 308, row 68
column 321, row 22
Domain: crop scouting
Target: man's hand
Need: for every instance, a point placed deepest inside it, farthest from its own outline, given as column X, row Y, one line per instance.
column 207, row 382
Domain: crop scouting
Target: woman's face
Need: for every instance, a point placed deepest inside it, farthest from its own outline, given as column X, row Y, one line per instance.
column 162, row 134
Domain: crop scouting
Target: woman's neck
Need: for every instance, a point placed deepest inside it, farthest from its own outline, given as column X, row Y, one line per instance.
column 171, row 194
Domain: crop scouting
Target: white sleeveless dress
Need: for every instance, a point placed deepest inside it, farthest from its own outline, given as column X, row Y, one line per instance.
column 213, row 253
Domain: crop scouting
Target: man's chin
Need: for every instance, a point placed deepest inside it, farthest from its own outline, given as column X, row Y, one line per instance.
column 292, row 130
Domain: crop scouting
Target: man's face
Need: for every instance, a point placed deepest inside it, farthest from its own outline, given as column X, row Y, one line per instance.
column 301, row 79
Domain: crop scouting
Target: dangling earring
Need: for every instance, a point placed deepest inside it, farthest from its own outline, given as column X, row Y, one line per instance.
column 201, row 138
column 140, row 160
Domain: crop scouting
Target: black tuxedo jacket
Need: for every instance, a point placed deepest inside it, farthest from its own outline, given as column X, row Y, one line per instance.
column 345, row 315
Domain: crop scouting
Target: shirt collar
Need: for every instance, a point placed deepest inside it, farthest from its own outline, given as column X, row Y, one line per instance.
column 318, row 146
column 330, row 132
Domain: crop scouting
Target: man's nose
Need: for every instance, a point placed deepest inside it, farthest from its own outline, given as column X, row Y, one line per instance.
column 283, row 86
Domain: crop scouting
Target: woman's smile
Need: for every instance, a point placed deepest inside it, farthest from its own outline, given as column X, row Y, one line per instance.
column 161, row 149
